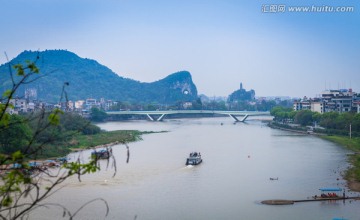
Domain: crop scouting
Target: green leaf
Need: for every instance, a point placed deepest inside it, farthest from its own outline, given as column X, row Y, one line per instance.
column 7, row 94
column 5, row 119
column 20, row 69
column 54, row 118
column 33, row 68
column 6, row 201
column 17, row 156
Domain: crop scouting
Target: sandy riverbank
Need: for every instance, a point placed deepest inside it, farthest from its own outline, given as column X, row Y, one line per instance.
column 353, row 185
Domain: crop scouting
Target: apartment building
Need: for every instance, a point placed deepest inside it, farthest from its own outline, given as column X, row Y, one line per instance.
column 342, row 100
column 303, row 104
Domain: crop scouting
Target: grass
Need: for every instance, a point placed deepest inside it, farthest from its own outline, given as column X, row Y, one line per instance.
column 353, row 144
column 89, row 141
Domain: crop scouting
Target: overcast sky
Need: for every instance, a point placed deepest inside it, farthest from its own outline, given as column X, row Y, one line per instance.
column 221, row 43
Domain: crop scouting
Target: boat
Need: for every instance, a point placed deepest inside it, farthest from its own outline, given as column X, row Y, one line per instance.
column 330, row 193
column 51, row 163
column 102, row 154
column 194, row 159
column 62, row 160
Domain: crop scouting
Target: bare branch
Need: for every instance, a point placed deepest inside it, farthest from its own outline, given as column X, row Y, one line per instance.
column 94, row 200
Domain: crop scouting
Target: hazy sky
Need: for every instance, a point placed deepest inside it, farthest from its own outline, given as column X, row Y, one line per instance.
column 221, row 43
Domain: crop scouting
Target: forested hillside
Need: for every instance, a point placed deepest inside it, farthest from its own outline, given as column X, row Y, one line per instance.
column 89, row 79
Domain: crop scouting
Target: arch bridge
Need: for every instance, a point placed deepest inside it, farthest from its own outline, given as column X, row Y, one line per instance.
column 159, row 115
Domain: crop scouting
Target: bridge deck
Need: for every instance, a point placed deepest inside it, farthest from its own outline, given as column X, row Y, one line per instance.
column 187, row 112
column 232, row 114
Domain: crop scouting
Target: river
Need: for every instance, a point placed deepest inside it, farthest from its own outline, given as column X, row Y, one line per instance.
column 234, row 178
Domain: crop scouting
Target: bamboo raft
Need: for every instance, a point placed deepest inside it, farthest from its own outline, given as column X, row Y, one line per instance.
column 290, row 202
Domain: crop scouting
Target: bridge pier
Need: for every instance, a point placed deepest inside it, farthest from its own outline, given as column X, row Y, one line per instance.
column 154, row 119
column 234, row 117
column 237, row 120
column 161, row 117
column 151, row 118
column 244, row 118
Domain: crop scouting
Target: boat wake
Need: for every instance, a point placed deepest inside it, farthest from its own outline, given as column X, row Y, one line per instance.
column 187, row 167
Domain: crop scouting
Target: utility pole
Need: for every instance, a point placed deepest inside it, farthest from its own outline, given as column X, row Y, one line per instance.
column 350, row 131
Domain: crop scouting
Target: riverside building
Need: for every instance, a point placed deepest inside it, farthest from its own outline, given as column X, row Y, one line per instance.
column 342, row 100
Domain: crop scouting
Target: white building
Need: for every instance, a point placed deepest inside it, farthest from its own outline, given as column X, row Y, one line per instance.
column 187, row 105
column 317, row 107
column 303, row 104
column 79, row 104
column 91, row 103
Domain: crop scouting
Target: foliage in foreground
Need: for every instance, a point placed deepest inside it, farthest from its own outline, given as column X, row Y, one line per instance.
column 22, row 187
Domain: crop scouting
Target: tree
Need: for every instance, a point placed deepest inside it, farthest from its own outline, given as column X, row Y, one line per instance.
column 97, row 115
column 356, row 122
column 10, row 140
column 197, row 104
column 281, row 113
column 328, row 120
column 75, row 122
column 316, row 117
column 304, row 117
column 20, row 191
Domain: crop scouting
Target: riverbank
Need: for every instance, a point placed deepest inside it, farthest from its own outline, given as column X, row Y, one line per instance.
column 106, row 139
column 81, row 142
column 352, row 175
column 102, row 138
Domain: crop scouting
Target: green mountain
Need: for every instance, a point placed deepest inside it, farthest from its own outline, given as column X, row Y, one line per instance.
column 89, row 79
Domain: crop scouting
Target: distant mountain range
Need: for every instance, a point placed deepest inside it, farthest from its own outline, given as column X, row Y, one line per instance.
column 89, row 79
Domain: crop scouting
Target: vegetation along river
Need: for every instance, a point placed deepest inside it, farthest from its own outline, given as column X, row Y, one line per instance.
column 239, row 160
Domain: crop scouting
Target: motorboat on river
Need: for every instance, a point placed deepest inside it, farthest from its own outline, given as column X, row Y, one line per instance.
column 194, row 159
